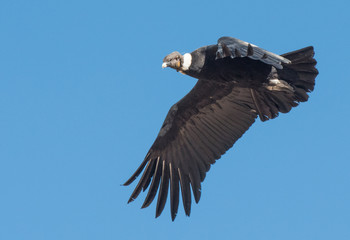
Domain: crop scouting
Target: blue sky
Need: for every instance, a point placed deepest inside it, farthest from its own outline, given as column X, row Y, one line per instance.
column 83, row 95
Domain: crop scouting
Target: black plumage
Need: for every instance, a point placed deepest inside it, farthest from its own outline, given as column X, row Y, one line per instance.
column 237, row 82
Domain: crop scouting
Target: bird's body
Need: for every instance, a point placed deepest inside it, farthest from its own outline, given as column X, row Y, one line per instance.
column 237, row 82
column 243, row 71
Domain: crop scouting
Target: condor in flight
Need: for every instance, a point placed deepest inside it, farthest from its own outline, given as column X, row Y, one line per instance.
column 237, row 82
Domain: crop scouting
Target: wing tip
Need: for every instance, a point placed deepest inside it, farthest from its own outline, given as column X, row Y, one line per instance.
column 173, row 216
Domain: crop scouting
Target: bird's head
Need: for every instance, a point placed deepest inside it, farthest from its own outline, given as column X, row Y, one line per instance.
column 177, row 61
column 173, row 60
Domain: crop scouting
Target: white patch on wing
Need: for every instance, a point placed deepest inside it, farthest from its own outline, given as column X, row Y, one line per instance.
column 279, row 85
column 274, row 81
column 187, row 61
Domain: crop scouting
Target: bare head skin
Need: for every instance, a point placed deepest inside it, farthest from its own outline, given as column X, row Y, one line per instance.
column 177, row 61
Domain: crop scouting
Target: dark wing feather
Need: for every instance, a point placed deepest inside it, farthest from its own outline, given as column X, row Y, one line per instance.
column 197, row 130
column 233, row 47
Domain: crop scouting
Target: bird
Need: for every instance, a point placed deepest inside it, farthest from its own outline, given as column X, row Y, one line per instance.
column 237, row 82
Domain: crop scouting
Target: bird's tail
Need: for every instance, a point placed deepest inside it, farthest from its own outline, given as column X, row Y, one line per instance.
column 289, row 86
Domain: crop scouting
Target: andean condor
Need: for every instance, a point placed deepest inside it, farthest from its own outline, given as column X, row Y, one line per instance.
column 237, row 82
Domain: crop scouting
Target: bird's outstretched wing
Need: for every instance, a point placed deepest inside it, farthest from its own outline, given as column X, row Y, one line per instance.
column 233, row 47
column 197, row 130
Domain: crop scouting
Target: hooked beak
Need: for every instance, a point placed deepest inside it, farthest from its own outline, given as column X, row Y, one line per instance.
column 164, row 65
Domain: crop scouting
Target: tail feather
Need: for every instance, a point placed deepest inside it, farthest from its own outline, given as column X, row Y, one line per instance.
column 301, row 72
column 289, row 86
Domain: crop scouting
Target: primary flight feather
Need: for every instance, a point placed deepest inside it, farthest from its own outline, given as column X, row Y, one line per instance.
column 237, row 82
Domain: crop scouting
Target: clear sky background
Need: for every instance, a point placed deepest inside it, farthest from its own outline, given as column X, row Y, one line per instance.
column 83, row 96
